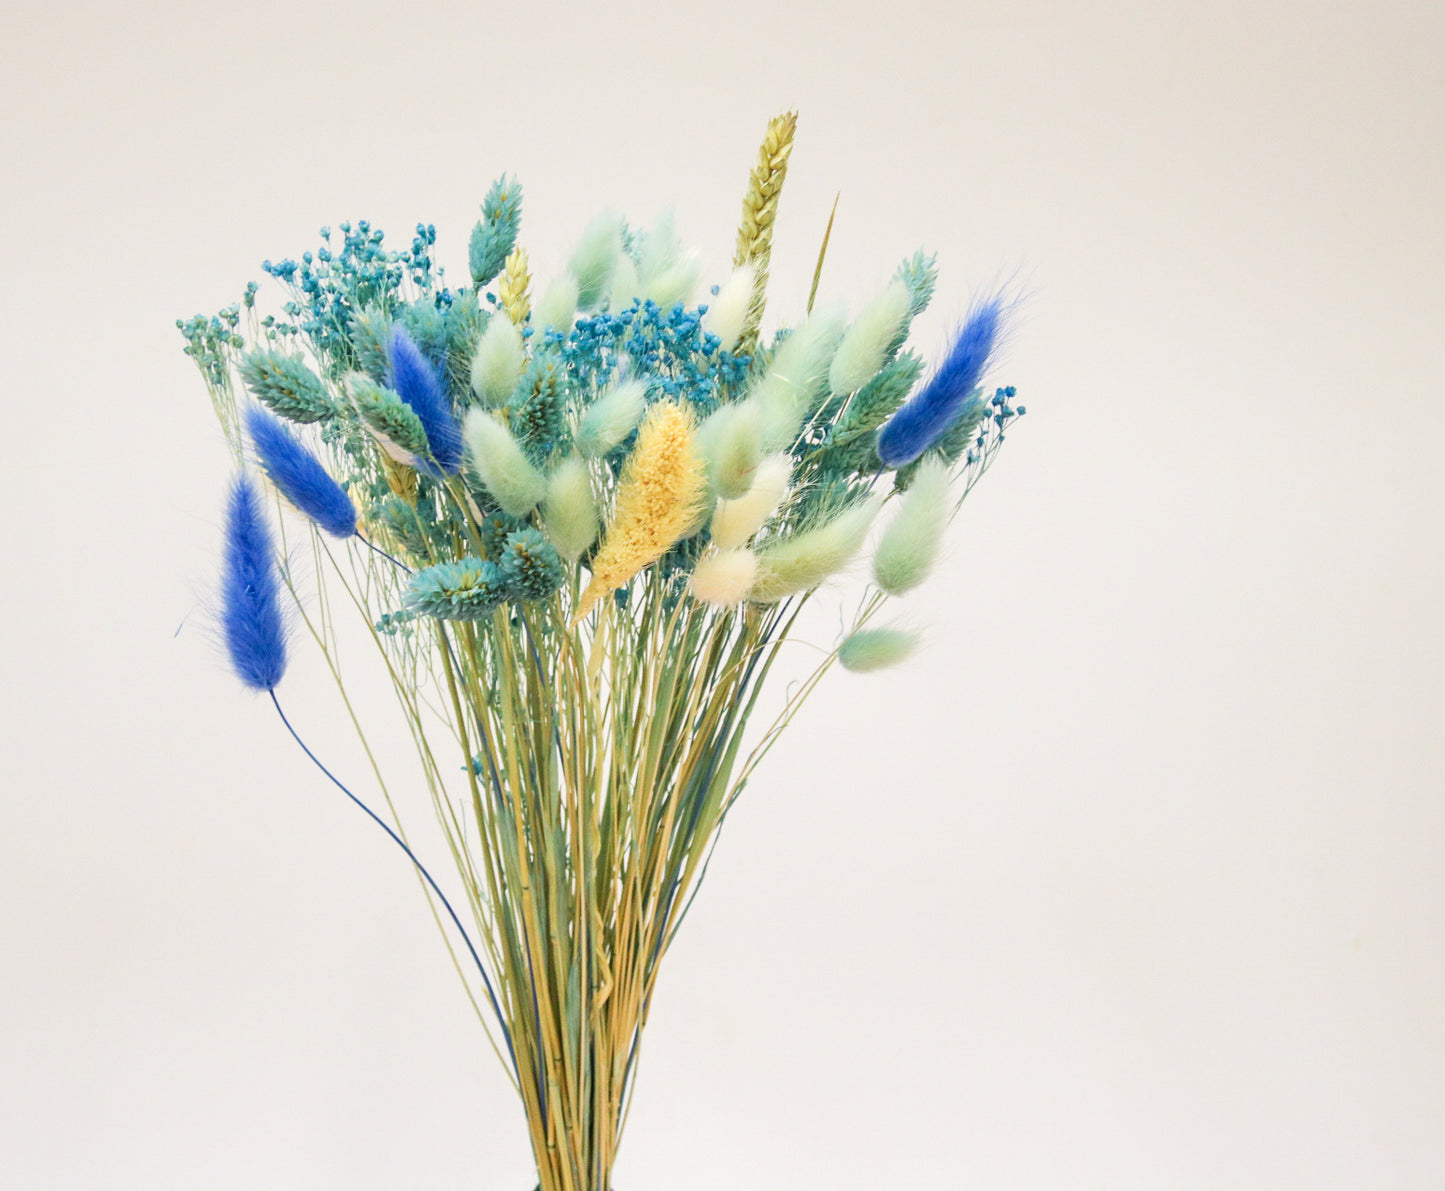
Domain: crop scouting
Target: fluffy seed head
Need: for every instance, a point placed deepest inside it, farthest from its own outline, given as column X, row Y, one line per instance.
column 666, row 272
column 501, row 464
column 728, row 311
column 569, row 509
column 612, row 417
column 735, row 521
column 498, row 362
column 658, row 499
column 625, row 285
column 723, row 578
column 674, row 284
column 795, row 377
column 929, row 412
column 909, row 546
column 251, row 621
column 299, row 476
column 876, row 649
column 868, row 338
column 558, row 305
column 802, row 561
column 658, row 248
column 731, row 441
column 416, row 382
column 595, row 258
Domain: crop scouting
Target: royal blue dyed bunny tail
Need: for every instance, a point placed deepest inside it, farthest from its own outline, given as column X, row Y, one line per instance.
column 921, row 421
column 251, row 621
column 416, row 382
column 299, row 475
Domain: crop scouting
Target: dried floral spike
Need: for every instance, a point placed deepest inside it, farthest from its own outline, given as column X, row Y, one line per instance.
column 496, row 234
column 760, row 209
column 570, row 508
column 723, row 578
column 920, row 422
column 612, row 417
column 530, row 566
column 287, row 385
column 416, row 382
column 790, row 566
column 498, row 362
column 502, row 465
column 659, row 498
column 909, row 546
column 728, row 311
column 558, row 305
column 735, row 521
column 869, row 339
column 876, row 649
column 251, row 620
column 299, row 476
column 512, row 289
column 390, row 419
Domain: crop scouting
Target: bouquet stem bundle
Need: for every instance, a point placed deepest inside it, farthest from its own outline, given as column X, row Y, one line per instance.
column 577, row 532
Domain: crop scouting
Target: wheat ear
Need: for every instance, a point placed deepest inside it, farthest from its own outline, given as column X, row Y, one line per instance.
column 512, row 288
column 760, row 208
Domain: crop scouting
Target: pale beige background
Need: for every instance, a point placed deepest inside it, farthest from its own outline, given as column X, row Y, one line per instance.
column 1133, row 881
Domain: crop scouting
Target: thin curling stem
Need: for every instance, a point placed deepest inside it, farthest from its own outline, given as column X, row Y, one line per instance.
column 383, row 553
column 421, row 868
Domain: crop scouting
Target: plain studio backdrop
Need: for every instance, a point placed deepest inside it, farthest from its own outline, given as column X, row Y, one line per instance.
column 1132, row 879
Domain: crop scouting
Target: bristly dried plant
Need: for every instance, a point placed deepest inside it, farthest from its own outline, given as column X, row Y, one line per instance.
column 577, row 529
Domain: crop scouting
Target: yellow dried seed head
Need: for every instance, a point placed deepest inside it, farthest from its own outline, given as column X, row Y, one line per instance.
column 512, row 288
column 659, row 499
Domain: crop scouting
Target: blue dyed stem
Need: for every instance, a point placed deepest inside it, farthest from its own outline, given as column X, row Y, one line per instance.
column 383, row 553
column 400, row 843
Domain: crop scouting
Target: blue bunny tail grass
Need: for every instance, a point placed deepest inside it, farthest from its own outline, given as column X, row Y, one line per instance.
column 299, row 476
column 922, row 420
column 251, row 621
column 417, row 383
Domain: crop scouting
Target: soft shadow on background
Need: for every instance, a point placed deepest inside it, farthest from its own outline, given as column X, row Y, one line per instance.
column 1133, row 880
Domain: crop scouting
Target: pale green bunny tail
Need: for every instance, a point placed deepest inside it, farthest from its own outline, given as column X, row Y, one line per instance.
column 728, row 311
column 667, row 273
column 799, row 563
column 796, row 377
column 867, row 650
column 724, row 578
column 595, row 258
column 611, row 418
column 735, row 521
column 499, row 462
column 569, row 509
column 498, row 363
column 909, row 546
column 868, row 339
column 731, row 442
column 557, row 306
